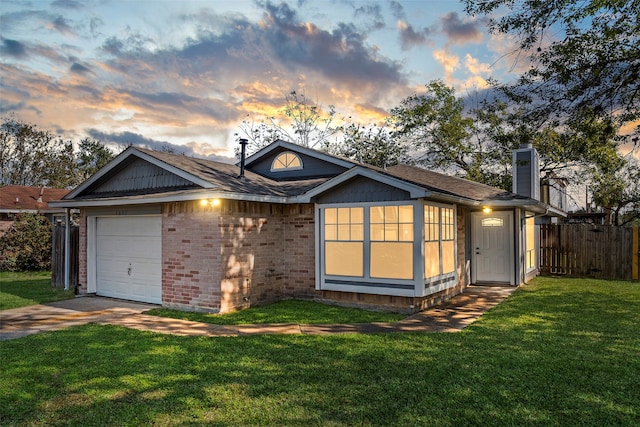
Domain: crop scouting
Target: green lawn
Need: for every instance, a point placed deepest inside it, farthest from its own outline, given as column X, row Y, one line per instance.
column 291, row 311
column 23, row 289
column 558, row 352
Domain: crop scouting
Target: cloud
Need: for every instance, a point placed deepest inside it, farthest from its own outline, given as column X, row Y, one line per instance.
column 474, row 66
column 373, row 12
column 13, row 48
column 410, row 38
column 449, row 61
column 67, row 4
column 397, row 10
column 459, row 31
column 192, row 149
column 79, row 68
column 60, row 25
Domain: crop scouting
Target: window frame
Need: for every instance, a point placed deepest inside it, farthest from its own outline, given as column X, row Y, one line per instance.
column 286, row 168
column 418, row 286
column 530, row 251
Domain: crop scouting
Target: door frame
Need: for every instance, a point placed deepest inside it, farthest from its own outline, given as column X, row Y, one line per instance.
column 92, row 253
column 509, row 216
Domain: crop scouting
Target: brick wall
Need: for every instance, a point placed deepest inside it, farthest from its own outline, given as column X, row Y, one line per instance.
column 82, row 252
column 190, row 256
column 299, row 252
column 252, row 260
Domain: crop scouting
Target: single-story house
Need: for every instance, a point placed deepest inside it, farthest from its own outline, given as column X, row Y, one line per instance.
column 293, row 222
column 16, row 199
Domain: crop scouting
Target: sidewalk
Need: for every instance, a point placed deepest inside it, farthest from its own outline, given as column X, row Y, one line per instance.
column 453, row 315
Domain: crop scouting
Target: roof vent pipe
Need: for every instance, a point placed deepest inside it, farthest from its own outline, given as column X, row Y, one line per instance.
column 243, row 153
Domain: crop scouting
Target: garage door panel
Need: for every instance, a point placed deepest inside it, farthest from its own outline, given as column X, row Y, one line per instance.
column 129, row 258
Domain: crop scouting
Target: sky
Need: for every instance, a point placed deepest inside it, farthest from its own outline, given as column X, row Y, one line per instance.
column 186, row 73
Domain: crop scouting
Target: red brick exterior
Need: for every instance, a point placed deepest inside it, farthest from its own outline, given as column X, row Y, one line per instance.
column 237, row 254
column 190, row 256
column 82, row 252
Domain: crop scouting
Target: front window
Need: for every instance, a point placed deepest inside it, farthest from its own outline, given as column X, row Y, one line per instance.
column 391, row 233
column 344, row 241
column 530, row 256
column 439, row 243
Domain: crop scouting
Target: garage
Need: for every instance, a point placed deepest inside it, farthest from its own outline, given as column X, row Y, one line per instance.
column 129, row 258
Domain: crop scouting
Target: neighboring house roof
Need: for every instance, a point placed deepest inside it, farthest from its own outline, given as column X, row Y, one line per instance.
column 19, row 198
column 211, row 179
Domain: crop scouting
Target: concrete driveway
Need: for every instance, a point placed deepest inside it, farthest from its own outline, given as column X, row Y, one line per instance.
column 23, row 321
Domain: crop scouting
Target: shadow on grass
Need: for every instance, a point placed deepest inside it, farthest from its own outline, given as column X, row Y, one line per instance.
column 530, row 361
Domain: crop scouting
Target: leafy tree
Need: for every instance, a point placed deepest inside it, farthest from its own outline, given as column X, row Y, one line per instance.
column 92, row 155
column 302, row 121
column 33, row 157
column 618, row 192
column 373, row 145
column 585, row 56
column 26, row 246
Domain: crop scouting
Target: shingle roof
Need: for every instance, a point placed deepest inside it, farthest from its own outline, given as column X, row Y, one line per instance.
column 226, row 178
column 450, row 184
column 17, row 197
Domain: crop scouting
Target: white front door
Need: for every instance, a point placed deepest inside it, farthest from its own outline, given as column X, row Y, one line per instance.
column 129, row 258
column 492, row 256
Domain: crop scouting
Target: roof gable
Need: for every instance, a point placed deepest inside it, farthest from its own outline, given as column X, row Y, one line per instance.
column 315, row 164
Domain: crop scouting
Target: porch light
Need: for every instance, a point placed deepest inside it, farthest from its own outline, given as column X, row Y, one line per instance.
column 210, row 202
column 487, row 209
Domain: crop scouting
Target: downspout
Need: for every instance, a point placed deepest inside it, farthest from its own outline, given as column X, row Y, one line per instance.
column 67, row 248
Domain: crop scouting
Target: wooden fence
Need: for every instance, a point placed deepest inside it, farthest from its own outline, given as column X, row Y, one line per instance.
column 57, row 256
column 584, row 250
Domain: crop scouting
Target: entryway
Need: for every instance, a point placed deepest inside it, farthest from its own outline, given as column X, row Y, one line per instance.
column 492, row 247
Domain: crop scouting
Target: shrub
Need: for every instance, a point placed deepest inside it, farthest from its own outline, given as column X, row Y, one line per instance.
column 26, row 246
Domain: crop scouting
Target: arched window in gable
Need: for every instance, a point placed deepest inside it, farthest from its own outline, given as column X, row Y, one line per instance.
column 286, row 161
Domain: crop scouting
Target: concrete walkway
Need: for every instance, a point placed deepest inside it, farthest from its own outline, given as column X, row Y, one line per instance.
column 453, row 315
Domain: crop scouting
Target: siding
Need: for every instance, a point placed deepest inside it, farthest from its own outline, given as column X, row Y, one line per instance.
column 312, row 168
column 140, row 175
column 360, row 190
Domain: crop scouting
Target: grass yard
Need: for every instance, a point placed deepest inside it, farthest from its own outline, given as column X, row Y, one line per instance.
column 558, row 352
column 291, row 311
column 24, row 289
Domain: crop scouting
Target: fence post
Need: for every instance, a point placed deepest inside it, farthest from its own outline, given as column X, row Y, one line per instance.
column 635, row 254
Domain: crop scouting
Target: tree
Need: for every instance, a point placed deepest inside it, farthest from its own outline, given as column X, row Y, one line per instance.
column 585, row 57
column 303, row 122
column 441, row 133
column 26, row 246
column 476, row 141
column 92, row 155
column 618, row 192
column 33, row 157
column 373, row 145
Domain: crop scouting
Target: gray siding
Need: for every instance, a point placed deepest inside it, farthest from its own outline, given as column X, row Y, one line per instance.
column 140, row 175
column 312, row 168
column 362, row 189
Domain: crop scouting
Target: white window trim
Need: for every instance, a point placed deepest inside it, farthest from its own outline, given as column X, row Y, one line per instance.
column 419, row 286
column 290, row 168
column 444, row 281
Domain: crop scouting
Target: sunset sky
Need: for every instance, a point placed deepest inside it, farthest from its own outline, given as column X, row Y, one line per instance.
column 188, row 72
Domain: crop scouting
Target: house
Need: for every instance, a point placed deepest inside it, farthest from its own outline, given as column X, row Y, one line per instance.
column 293, row 222
column 16, row 199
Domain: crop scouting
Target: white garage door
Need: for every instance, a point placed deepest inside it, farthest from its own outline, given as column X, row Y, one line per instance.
column 129, row 258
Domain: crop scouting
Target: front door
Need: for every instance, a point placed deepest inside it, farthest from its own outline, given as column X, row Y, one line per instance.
column 493, row 243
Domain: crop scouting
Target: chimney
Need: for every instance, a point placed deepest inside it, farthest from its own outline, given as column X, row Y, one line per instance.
column 243, row 153
column 526, row 171
column 41, row 194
